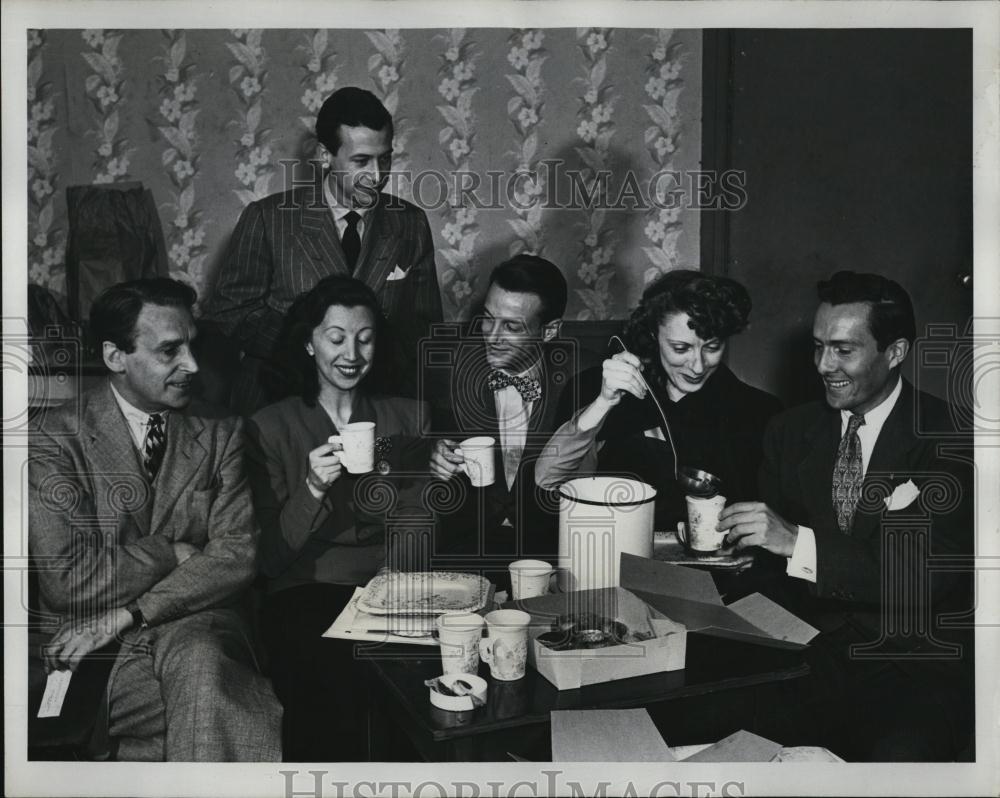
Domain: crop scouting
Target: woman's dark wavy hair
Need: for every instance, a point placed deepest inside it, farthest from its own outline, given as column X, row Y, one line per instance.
column 719, row 307
column 291, row 370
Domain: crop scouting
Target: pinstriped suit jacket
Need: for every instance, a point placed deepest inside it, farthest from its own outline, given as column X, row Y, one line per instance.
column 285, row 243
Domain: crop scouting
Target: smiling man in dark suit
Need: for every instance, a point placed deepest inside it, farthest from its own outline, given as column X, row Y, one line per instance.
column 286, row 243
column 508, row 378
column 142, row 527
column 858, row 492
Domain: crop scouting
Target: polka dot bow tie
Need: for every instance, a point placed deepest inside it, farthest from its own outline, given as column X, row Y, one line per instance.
column 529, row 387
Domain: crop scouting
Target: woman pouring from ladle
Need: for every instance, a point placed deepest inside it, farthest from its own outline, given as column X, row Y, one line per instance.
column 675, row 339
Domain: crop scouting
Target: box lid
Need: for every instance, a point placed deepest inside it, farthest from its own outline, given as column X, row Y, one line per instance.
column 689, row 596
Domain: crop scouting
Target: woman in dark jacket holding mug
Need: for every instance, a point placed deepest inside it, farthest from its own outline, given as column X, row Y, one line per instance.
column 323, row 528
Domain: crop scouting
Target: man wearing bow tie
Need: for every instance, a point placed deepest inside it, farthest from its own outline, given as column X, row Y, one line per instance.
column 859, row 493
column 506, row 385
column 286, row 243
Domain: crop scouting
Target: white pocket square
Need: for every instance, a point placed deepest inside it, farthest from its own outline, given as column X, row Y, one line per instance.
column 902, row 497
column 398, row 273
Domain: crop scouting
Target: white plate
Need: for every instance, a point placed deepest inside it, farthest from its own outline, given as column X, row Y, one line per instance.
column 424, row 593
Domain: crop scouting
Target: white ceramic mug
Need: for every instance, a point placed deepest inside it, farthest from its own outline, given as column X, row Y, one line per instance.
column 458, row 635
column 478, row 465
column 358, row 440
column 529, row 578
column 703, row 515
column 506, row 648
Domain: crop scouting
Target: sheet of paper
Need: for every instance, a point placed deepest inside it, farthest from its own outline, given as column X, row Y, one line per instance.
column 347, row 626
column 606, row 735
column 773, row 619
column 55, row 693
column 742, row 746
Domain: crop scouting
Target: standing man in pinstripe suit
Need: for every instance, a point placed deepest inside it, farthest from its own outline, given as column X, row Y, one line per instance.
column 285, row 243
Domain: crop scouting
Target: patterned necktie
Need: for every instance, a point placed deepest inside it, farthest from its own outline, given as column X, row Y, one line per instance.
column 529, row 387
column 848, row 474
column 156, row 445
column 352, row 241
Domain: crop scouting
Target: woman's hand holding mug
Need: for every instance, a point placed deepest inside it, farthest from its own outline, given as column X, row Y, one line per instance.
column 324, row 468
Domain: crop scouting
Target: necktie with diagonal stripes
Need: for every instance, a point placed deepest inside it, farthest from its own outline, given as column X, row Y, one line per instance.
column 848, row 474
column 156, row 445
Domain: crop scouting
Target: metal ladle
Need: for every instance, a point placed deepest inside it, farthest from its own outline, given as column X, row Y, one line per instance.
column 693, row 480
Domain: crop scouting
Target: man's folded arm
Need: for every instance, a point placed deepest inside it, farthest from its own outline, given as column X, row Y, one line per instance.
column 227, row 563
column 79, row 559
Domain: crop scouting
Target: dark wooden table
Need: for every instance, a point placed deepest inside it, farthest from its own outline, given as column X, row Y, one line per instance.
column 718, row 692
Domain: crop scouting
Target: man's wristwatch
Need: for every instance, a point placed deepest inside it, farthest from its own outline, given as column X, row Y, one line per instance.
column 138, row 619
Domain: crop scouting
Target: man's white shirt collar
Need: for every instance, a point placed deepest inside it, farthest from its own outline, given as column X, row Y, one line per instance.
column 874, row 421
column 138, row 420
column 339, row 211
column 513, row 414
column 875, row 418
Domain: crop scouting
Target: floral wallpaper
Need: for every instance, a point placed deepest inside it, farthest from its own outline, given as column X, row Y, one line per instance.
column 46, row 233
column 531, row 140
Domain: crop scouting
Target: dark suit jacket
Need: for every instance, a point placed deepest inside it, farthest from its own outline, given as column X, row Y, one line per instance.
column 341, row 538
column 101, row 538
column 800, row 447
column 470, row 410
column 285, row 243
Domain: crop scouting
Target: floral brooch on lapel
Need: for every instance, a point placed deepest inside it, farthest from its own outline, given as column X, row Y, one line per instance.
column 903, row 495
column 382, row 448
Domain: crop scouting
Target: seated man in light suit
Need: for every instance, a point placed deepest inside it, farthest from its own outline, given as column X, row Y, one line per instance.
column 144, row 521
column 506, row 385
column 857, row 492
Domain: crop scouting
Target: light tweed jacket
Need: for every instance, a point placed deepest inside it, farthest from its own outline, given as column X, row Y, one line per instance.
column 102, row 538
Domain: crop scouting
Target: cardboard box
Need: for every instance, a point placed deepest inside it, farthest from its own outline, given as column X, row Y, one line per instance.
column 575, row 668
column 688, row 595
column 667, row 599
